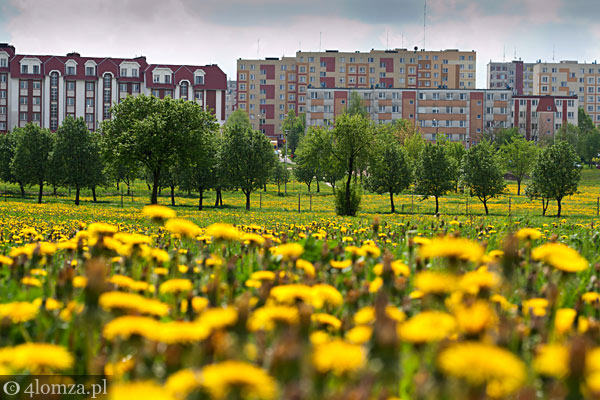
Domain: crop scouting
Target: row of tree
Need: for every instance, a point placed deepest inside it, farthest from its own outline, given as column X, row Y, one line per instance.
column 390, row 158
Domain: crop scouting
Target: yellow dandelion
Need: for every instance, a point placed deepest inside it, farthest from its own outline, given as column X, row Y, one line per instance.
column 139, row 390
column 253, row 238
column 564, row 319
column 288, row 251
column 340, row 264
column 223, row 232
column 323, row 294
column 435, row 282
column 157, row 212
column 398, row 267
column 453, row 248
column 528, row 234
column 338, row 357
column 359, row 334
column 266, row 318
column 560, row 257
column 132, row 302
column 36, row 357
column 327, row 319
column 175, row 286
column 222, row 378
column 182, row 227
column 552, row 360
column 306, row 266
column 479, row 364
column 427, row 326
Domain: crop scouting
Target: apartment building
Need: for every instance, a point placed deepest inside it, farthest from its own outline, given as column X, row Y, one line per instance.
column 570, row 78
column 45, row 89
column 267, row 89
column 515, row 75
column 462, row 115
column 230, row 98
column 539, row 116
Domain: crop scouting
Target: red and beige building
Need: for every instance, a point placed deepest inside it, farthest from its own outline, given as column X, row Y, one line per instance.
column 268, row 89
column 46, row 89
column 515, row 75
column 461, row 115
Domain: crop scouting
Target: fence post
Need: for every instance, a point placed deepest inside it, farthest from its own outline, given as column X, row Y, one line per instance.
column 298, row 202
column 597, row 205
column 260, row 200
column 121, row 197
column 412, row 203
column 131, row 192
column 509, row 203
column 310, row 203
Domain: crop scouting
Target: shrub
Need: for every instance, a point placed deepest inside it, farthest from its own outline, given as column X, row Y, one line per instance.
column 342, row 207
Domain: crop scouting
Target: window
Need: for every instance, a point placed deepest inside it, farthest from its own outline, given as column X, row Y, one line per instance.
column 156, row 79
column 70, row 101
column 2, row 110
column 90, row 71
column 23, row 84
column 167, row 78
column 23, row 100
column 123, row 87
column 89, row 86
column 124, row 72
column 36, row 69
column 23, row 116
column 70, row 85
column 134, row 72
column 2, row 77
column 200, row 79
column 37, row 85
column 24, row 69
column 35, row 116
column 70, row 70
column 2, row 94
column 36, row 101
column 89, row 118
column 3, row 62
column 135, row 88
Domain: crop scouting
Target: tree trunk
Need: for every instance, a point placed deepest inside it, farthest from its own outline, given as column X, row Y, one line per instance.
column 437, row 204
column 518, row 187
column 118, row 185
column 76, row 195
column 220, row 198
column 544, row 207
column 486, row 207
column 149, row 187
column 128, row 189
column 217, row 198
column 200, row 198
column 318, row 188
column 392, row 201
column 22, row 189
column 559, row 204
column 155, row 178
column 173, row 195
column 41, row 191
column 94, row 194
column 278, row 188
column 265, row 187
column 247, row 193
column 349, row 180
column 54, row 190
column 308, row 184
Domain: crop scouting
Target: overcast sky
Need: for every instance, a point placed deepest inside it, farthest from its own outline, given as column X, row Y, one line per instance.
column 221, row 31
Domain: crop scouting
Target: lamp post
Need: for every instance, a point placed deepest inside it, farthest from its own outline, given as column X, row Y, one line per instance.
column 285, row 161
column 435, row 122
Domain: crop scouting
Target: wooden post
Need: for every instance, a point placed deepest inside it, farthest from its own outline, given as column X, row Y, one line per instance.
column 298, row 202
column 467, row 207
column 598, row 206
column 509, row 203
column 260, row 200
column 310, row 204
column 131, row 191
column 412, row 203
column 121, row 197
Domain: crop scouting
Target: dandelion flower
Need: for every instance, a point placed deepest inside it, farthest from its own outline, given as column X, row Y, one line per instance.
column 428, row 326
column 36, row 357
column 560, row 257
column 453, row 248
column 528, row 234
column 223, row 232
column 435, row 282
column 552, row 360
column 175, row 286
column 157, row 212
column 146, row 390
column 339, row 357
column 479, row 364
column 182, row 227
column 220, row 379
column 288, row 251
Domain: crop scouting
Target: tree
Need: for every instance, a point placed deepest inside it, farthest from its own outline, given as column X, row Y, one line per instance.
column 154, row 132
column 501, row 136
column 414, row 143
column 294, row 125
column 482, row 173
column 355, row 105
column 533, row 192
column 434, row 173
column 518, row 156
column 8, row 145
column 248, row 157
column 238, row 117
column 97, row 176
column 389, row 170
column 305, row 170
column 31, row 163
column 555, row 172
column 280, row 175
column 199, row 170
column 352, row 137
column 588, row 146
column 584, row 121
column 75, row 158
column 456, row 151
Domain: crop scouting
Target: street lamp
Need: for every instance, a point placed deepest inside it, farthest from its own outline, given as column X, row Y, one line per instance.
column 258, row 123
column 435, row 123
column 285, row 161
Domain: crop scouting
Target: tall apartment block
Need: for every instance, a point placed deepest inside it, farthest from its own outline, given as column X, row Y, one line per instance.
column 45, row 90
column 462, row 115
column 515, row 75
column 230, row 98
column 268, row 89
column 570, row 78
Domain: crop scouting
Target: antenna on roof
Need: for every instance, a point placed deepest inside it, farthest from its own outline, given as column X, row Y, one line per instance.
column 515, row 56
column 424, row 21
column 320, row 36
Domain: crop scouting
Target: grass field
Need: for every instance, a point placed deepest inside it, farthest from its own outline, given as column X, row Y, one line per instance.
column 304, row 305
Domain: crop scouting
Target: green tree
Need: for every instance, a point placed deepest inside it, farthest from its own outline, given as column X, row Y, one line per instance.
column 352, row 138
column 533, row 192
column 294, row 126
column 249, row 157
column 555, row 172
column 280, row 175
column 588, row 146
column 356, row 106
column 389, row 170
column 31, row 162
column 75, row 158
column 518, row 156
column 434, row 172
column 456, row 151
column 154, row 132
column 97, row 167
column 199, row 170
column 584, row 121
column 8, row 145
column 501, row 136
column 238, row 117
column 482, row 173
column 305, row 168
column 414, row 143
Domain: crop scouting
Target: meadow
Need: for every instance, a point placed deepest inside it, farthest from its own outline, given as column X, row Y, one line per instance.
column 175, row 303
